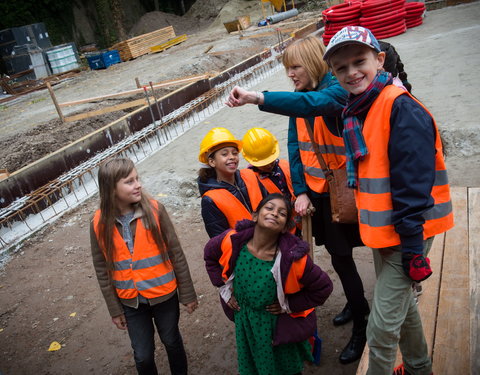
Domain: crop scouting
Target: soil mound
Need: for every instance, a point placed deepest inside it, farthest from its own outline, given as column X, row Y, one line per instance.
column 158, row 20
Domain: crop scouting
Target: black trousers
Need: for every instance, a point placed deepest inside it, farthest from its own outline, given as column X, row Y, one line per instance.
column 339, row 240
column 140, row 323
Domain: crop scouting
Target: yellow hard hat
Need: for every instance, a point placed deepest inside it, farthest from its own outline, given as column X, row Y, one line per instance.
column 260, row 147
column 215, row 139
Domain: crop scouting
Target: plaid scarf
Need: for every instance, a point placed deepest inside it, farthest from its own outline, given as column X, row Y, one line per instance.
column 355, row 146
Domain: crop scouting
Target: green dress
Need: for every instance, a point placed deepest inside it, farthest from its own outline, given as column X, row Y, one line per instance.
column 254, row 289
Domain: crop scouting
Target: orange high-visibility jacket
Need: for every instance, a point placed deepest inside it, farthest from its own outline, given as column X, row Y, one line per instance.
column 231, row 207
column 292, row 284
column 270, row 185
column 373, row 196
column 145, row 271
column 331, row 147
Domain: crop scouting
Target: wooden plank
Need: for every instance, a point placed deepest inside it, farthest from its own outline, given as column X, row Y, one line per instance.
column 55, row 102
column 136, row 91
column 451, row 351
column 6, row 86
column 230, row 51
column 97, row 98
column 118, row 107
column 474, row 252
column 140, row 45
column 428, row 301
column 268, row 33
column 306, row 30
column 178, row 81
column 170, row 43
column 363, row 364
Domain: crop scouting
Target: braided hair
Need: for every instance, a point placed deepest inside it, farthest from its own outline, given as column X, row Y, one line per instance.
column 394, row 65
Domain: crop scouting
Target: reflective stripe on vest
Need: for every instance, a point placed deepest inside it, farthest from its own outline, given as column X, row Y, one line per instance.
column 230, row 206
column 331, row 147
column 224, row 260
column 144, row 271
column 270, row 185
column 373, row 197
column 292, row 284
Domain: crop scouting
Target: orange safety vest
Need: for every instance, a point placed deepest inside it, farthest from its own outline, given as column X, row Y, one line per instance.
column 270, row 185
column 231, row 207
column 143, row 272
column 373, row 196
column 292, row 283
column 331, row 147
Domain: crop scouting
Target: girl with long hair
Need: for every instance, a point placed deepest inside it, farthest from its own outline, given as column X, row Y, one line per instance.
column 140, row 266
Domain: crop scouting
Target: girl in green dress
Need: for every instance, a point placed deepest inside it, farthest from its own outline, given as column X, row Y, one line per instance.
column 269, row 287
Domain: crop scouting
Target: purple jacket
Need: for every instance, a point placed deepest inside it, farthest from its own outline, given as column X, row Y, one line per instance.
column 317, row 285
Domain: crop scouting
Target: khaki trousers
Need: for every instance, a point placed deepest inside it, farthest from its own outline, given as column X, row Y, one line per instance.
column 394, row 319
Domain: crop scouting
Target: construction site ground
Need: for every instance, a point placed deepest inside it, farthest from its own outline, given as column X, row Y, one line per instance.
column 48, row 289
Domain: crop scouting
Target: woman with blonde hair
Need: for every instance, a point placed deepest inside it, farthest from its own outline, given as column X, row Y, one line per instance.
column 310, row 75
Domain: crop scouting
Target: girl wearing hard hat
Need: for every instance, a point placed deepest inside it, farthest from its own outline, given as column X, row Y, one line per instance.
column 228, row 194
column 261, row 150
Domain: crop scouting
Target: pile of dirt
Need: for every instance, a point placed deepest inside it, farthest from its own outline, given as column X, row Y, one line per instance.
column 27, row 136
column 206, row 9
column 47, row 137
column 158, row 20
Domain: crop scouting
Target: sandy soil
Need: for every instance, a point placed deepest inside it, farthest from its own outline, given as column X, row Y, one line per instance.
column 48, row 290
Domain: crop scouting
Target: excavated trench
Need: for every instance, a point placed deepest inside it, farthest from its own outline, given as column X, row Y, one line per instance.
column 40, row 192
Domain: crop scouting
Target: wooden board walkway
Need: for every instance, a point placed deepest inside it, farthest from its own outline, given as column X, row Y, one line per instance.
column 450, row 303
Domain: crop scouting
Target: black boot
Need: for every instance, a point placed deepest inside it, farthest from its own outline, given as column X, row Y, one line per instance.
column 344, row 316
column 354, row 349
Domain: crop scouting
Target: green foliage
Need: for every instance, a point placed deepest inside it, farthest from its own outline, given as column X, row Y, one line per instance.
column 106, row 28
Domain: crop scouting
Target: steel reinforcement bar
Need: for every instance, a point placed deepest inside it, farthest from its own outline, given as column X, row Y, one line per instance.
column 34, row 210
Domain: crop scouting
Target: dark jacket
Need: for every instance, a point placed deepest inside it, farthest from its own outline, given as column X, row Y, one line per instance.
column 412, row 161
column 317, row 285
column 214, row 219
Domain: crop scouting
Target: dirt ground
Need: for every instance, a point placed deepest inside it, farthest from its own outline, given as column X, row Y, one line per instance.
column 48, row 289
column 30, row 126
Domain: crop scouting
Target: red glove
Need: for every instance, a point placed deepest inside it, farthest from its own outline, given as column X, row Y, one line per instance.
column 416, row 266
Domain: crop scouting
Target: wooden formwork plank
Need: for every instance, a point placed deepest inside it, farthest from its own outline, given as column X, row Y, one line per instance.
column 363, row 364
column 451, row 351
column 169, row 43
column 474, row 252
column 114, row 108
column 428, row 301
column 268, row 33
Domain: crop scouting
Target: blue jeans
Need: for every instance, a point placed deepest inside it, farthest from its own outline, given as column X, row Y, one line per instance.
column 141, row 331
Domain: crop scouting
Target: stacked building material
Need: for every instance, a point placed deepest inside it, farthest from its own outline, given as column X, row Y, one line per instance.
column 140, row 45
column 415, row 12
